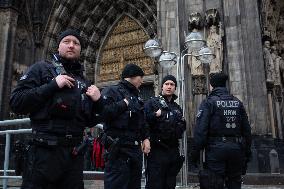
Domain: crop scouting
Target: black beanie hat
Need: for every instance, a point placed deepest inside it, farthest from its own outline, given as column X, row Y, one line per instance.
column 169, row 77
column 131, row 70
column 218, row 79
column 72, row 32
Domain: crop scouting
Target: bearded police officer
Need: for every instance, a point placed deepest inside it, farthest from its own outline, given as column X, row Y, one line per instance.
column 60, row 103
column 124, row 128
column 167, row 125
column 223, row 130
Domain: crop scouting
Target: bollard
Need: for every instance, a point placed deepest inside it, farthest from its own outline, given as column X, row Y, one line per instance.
column 274, row 162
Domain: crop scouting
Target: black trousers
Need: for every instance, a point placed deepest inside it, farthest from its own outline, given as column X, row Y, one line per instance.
column 52, row 168
column 161, row 168
column 125, row 170
column 225, row 159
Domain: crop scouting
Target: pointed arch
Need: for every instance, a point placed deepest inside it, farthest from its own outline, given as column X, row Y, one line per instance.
column 123, row 44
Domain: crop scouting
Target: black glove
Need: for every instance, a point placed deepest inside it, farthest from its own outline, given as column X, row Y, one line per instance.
column 134, row 104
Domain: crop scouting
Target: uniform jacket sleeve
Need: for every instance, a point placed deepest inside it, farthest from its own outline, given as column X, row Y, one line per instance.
column 202, row 125
column 246, row 131
column 150, row 111
column 112, row 107
column 32, row 91
column 180, row 124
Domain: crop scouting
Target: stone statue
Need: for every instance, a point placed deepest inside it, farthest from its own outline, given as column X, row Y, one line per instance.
column 214, row 41
column 196, row 66
column 281, row 67
column 276, row 60
column 269, row 65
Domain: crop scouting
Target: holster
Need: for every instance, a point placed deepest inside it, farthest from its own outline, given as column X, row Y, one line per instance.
column 19, row 156
column 111, row 146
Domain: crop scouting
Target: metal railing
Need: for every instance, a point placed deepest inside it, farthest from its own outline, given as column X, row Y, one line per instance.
column 8, row 134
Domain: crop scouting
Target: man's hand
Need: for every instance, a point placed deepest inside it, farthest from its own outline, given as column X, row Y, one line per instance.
column 146, row 146
column 93, row 92
column 158, row 113
column 64, row 80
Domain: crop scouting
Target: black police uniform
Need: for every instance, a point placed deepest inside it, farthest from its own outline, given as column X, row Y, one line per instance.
column 124, row 128
column 224, row 131
column 58, row 118
column 164, row 160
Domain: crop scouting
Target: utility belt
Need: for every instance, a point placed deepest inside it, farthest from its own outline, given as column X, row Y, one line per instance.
column 226, row 139
column 125, row 136
column 157, row 142
column 46, row 139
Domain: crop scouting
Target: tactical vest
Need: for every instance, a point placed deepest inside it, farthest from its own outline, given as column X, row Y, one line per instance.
column 226, row 117
column 132, row 119
column 64, row 108
column 165, row 126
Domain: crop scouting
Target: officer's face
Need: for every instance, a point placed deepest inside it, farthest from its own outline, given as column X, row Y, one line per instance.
column 168, row 88
column 69, row 48
column 136, row 81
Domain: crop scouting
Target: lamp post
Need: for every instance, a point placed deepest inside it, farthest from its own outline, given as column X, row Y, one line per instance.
column 196, row 46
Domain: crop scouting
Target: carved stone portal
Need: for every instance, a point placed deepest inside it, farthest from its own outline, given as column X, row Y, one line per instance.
column 124, row 45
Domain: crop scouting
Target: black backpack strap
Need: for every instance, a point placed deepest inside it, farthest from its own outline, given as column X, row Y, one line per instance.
column 51, row 68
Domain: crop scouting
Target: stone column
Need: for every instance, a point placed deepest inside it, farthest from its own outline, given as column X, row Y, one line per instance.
column 245, row 60
column 8, row 22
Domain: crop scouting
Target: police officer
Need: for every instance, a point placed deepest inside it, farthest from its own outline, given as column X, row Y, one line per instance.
column 60, row 103
column 124, row 129
column 223, row 130
column 167, row 125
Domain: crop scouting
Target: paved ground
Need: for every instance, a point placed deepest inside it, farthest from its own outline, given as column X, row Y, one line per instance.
column 98, row 184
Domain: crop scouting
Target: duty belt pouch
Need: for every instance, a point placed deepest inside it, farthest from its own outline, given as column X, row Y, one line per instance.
column 63, row 105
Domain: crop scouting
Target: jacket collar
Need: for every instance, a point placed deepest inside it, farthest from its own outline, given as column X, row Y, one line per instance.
column 219, row 91
column 174, row 97
column 126, row 84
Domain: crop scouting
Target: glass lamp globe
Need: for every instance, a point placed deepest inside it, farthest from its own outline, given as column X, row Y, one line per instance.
column 194, row 41
column 152, row 48
column 205, row 55
column 168, row 59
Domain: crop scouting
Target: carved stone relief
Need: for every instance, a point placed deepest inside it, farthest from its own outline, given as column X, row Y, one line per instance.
column 199, row 84
column 124, row 45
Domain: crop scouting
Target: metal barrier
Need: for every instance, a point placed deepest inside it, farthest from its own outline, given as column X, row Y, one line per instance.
column 8, row 133
column 7, row 144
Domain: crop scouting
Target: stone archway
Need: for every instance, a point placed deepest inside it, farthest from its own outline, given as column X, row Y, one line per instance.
column 95, row 18
column 123, row 45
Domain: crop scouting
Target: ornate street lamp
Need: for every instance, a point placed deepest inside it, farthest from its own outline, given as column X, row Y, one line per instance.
column 194, row 41
column 168, row 59
column 205, row 55
column 152, row 48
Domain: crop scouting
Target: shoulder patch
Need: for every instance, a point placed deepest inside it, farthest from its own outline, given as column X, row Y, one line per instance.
column 24, row 77
column 199, row 113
